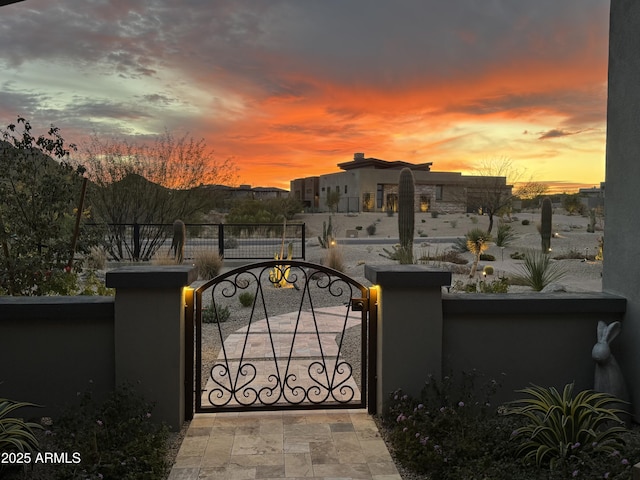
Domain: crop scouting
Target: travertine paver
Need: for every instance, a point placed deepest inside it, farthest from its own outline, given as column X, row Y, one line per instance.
column 291, row 444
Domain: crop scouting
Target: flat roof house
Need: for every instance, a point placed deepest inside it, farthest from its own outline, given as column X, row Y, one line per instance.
column 371, row 185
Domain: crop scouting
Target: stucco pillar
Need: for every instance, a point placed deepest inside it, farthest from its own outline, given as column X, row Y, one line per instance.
column 149, row 334
column 409, row 326
column 621, row 274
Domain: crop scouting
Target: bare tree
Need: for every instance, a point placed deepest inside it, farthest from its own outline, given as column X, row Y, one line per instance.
column 491, row 191
column 531, row 191
column 149, row 184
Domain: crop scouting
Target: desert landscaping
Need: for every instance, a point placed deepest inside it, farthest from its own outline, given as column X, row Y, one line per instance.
column 437, row 235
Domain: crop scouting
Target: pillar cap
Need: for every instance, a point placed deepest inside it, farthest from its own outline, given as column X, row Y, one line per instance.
column 152, row 276
column 406, row 276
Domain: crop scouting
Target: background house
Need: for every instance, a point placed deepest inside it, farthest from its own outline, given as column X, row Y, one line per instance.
column 371, row 185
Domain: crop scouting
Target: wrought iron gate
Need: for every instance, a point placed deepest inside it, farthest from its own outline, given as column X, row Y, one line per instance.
column 283, row 334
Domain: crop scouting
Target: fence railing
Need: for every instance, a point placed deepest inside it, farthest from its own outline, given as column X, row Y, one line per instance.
column 143, row 241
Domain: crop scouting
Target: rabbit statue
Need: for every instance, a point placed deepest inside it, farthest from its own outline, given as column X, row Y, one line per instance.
column 608, row 376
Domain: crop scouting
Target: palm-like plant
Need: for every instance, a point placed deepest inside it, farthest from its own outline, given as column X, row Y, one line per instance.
column 15, row 433
column 477, row 243
column 538, row 270
column 559, row 425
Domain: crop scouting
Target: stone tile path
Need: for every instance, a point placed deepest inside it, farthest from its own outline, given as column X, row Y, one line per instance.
column 319, row 444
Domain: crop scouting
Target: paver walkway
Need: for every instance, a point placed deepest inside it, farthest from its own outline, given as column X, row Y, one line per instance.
column 286, row 444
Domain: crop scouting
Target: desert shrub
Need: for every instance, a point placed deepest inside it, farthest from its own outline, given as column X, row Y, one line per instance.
column 208, row 263
column 453, row 223
column 358, row 227
column 96, row 259
column 525, row 222
column 487, row 257
column 488, row 270
column 517, row 256
column 500, row 285
column 333, row 258
column 573, row 254
column 230, row 243
column 371, row 229
column 398, row 254
column 460, row 245
column 448, row 256
column 246, row 299
column 216, row 313
column 538, row 271
column 116, row 438
column 434, row 214
column 505, row 235
column 474, row 220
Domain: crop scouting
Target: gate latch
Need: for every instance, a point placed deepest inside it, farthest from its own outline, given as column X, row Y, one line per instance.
column 359, row 304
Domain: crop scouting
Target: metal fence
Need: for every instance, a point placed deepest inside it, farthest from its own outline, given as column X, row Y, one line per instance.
column 141, row 242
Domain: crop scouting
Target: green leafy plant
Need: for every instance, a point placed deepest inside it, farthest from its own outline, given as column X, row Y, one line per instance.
column 558, row 425
column 216, row 313
column 15, row 433
column 538, row 270
column 38, row 194
column 246, row 299
column 525, row 222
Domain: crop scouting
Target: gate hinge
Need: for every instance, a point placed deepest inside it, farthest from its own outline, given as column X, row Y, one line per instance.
column 359, row 304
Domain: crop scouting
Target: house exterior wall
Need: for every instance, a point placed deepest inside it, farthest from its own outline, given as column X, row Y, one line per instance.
column 371, row 189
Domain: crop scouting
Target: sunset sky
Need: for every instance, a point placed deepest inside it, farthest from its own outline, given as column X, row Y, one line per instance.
column 291, row 88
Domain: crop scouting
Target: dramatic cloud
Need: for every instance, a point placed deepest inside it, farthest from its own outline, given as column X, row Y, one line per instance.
column 290, row 88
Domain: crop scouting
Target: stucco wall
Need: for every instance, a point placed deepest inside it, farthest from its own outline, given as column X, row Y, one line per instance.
column 544, row 339
column 621, row 273
column 54, row 347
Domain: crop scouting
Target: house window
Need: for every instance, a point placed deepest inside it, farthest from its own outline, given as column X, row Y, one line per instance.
column 338, row 188
column 323, row 189
column 345, row 189
column 379, row 196
column 438, row 192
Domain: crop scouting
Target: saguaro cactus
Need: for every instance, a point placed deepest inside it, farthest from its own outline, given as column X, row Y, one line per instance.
column 545, row 225
column 178, row 240
column 406, row 214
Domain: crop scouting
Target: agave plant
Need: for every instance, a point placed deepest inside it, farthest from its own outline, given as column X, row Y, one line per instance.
column 558, row 425
column 15, row 433
column 538, row 270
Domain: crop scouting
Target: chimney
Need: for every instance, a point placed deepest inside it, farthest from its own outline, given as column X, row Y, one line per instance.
column 358, row 156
